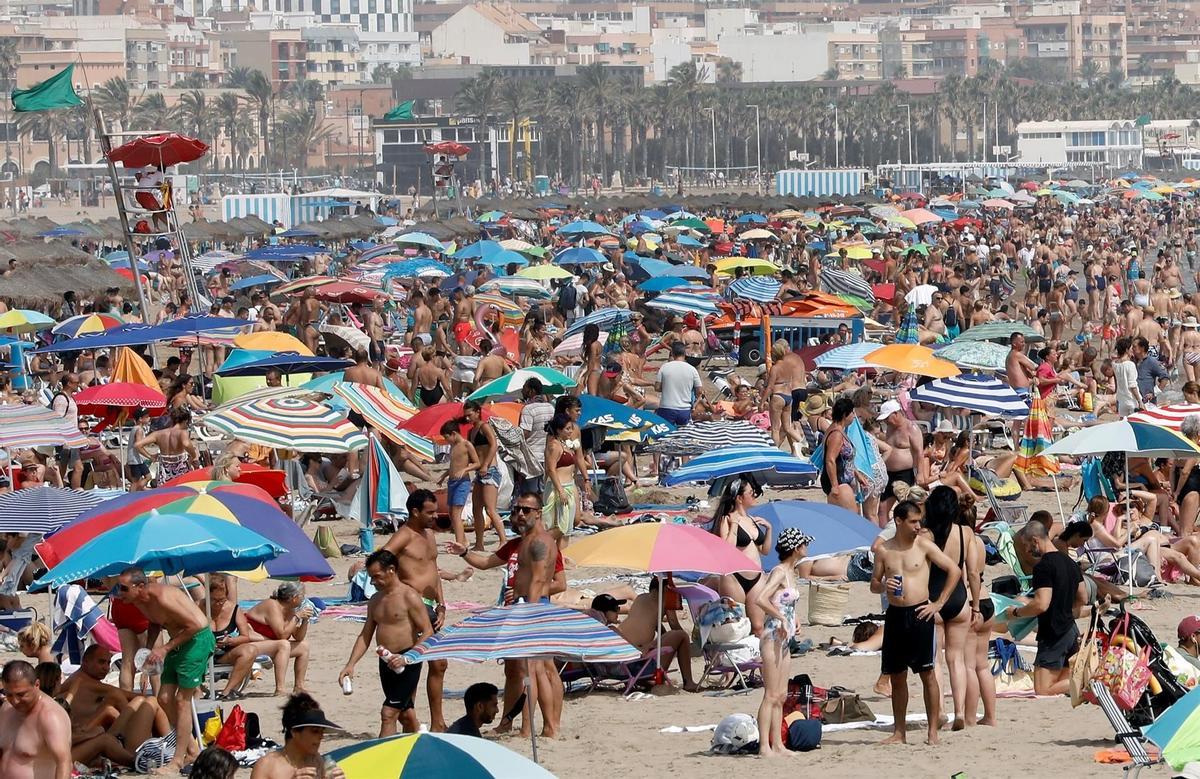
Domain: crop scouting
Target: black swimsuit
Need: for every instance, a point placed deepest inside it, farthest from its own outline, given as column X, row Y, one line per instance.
column 431, row 397
column 742, row 541
column 937, row 582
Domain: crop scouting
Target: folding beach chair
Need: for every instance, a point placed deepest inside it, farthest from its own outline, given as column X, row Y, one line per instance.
column 718, row 659
column 1130, row 737
column 1014, row 514
column 642, row 672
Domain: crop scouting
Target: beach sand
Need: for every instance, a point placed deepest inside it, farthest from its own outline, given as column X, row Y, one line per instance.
column 605, row 735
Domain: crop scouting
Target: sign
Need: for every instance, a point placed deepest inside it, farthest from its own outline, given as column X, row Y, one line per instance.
column 998, row 150
column 798, row 156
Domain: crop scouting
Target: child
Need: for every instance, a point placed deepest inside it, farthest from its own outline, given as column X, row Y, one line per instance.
column 463, row 461
column 139, row 470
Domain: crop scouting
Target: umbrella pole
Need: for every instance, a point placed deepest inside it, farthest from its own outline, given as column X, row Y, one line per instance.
column 658, row 632
column 530, row 698
column 1058, row 497
column 1128, row 526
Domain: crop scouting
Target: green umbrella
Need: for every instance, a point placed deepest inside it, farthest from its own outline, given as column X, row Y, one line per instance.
column 999, row 331
column 980, row 355
column 553, row 382
column 920, row 248
column 692, row 223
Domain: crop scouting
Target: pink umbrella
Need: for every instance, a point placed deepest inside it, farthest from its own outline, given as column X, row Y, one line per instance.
column 660, row 547
column 920, row 216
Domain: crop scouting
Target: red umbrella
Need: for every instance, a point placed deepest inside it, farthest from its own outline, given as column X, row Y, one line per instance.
column 428, row 421
column 348, row 292
column 448, row 147
column 122, row 394
column 269, row 480
column 161, row 150
column 810, row 354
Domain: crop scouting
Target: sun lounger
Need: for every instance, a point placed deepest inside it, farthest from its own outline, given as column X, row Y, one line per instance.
column 642, row 672
column 1130, row 738
column 1015, row 514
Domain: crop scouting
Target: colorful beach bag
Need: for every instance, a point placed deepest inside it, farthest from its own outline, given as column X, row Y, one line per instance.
column 1123, row 670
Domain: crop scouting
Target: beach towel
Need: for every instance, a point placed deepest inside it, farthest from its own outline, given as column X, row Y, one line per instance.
column 77, row 617
column 867, row 459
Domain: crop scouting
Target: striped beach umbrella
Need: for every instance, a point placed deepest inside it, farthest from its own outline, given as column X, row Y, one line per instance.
column 385, row 413
column 847, row 358
column 43, row 509
column 519, row 286
column 528, row 631
column 604, row 318
column 699, row 437
column 424, row 240
column 1032, row 458
column 22, row 427
column 999, row 331
column 975, row 355
column 553, row 382
column 760, row 289
column 973, row 392
column 737, row 460
column 684, row 303
column 908, row 332
column 1167, row 416
column 289, row 423
column 419, row 755
column 20, row 320
column 840, row 282
column 86, row 323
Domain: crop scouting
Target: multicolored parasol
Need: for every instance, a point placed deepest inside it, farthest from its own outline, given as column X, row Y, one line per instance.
column 385, row 413
column 419, row 755
column 1031, row 458
column 289, row 423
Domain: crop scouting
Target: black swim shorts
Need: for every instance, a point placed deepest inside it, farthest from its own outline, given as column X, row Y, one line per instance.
column 909, row 642
column 399, row 687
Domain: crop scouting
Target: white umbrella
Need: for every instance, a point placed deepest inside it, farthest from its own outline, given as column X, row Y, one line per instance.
column 921, row 295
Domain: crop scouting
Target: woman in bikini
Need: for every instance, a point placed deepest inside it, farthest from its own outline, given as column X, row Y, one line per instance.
column 777, row 599
column 941, row 520
column 536, row 348
column 177, row 454
column 592, row 352
column 237, row 645
column 487, row 478
column 284, row 617
column 752, row 537
column 981, row 685
column 560, row 497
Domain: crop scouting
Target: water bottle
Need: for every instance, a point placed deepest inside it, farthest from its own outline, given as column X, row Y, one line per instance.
column 347, row 686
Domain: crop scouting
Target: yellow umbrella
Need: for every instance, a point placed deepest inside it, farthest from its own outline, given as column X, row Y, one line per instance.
column 1164, row 189
column 911, row 358
column 272, row 341
column 902, row 221
column 790, row 213
column 133, row 369
column 543, row 272
column 855, row 252
column 754, row 265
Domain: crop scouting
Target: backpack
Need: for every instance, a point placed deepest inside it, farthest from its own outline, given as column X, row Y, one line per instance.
column 568, row 297
column 513, row 448
column 611, row 497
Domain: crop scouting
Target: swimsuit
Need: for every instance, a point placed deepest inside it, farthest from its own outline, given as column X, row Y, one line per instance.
column 742, row 541
column 844, row 464
column 937, row 582
column 262, row 628
column 172, row 465
column 909, row 642
column 431, row 397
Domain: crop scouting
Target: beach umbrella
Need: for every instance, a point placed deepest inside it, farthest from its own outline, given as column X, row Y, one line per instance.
column 604, row 318
column 849, row 357
column 20, row 320
column 753, row 265
column 834, row 530
column 684, row 303
column 170, row 543
column 261, row 280
column 269, row 480
column 689, row 242
column 584, row 228
column 1177, row 731
column 271, row 341
column 659, row 548
column 760, row 289
column 999, row 331
column 424, row 240
column 420, row 755
column 1036, row 438
column 736, row 460
column 1167, row 416
column 909, row 333
column 428, row 421
column 757, row 219
column 518, row 286
column 664, row 283
column 477, row 250
column 602, row 412
column 758, row 234
column 86, row 323
column 328, row 382
column 686, row 272
column 119, row 394
column 163, row 150
column 286, row 363
column 240, row 504
column 997, row 203
column 921, row 295
column 700, row 437
column 298, row 285
column 580, row 255
column 43, row 509
column 840, row 282
column 920, row 216
column 288, row 423
column 23, row 427
column 855, row 252
column 973, row 392
column 553, row 382
column 911, row 358
column 502, row 258
column 386, row 413
column 544, row 273
column 977, row 355
column 197, row 324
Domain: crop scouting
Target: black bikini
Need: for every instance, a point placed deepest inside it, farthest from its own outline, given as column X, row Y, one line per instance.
column 431, row 397
column 742, row 540
column 937, row 582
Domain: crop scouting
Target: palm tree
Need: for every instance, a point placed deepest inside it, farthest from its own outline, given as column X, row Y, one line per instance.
column 115, row 102
column 243, row 137
column 45, row 125
column 477, row 97
column 236, row 78
column 195, row 114
column 686, row 82
column 8, row 77
column 598, row 87
column 729, row 71
column 261, row 96
column 516, row 100
column 226, row 109
column 151, row 113
column 303, row 133
column 306, row 91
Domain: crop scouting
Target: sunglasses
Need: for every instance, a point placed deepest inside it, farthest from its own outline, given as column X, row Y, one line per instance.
column 524, row 509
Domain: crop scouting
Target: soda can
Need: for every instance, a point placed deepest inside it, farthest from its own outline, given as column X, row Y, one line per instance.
column 899, row 591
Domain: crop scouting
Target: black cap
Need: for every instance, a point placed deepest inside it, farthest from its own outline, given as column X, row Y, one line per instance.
column 314, row 719
column 604, row 603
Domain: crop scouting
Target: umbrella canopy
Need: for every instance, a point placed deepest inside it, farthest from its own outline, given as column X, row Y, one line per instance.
column 428, row 421
column 158, row 150
column 544, row 273
column 503, row 257
column 758, row 234
column 289, row 423
column 86, row 323
column 527, row 630
column 908, row 332
column 580, row 255
column 739, row 459
column 977, row 355
column 602, row 412
column 477, row 250
column 604, row 318
column 1038, row 435
column 728, row 265
column 583, row 228
column 20, row 320
column 554, row 382
column 119, row 394
column 921, row 295
column 840, row 282
column 271, row 341
column 659, row 547
column 760, row 289
column 699, row 437
column 1177, row 731
column 519, row 286
column 386, row 413
column 424, row 240
column 973, row 392
column 999, row 331
column 22, row 427
column 286, row 363
column 1124, row 436
column 847, row 358
column 1167, row 416
column 171, row 543
column 663, row 283
column 911, row 358
column 240, row 504
column 419, row 755
column 43, row 509
column 920, row 216
column 684, row 303
column 834, row 530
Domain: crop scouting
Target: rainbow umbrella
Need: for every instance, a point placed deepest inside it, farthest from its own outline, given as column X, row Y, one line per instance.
column 241, row 504
column 908, row 334
column 20, row 320
column 1177, row 731
column 289, row 423
column 657, row 547
column 1031, row 457
column 86, row 323
column 413, row 755
column 1166, row 416
column 22, row 427
column 385, row 413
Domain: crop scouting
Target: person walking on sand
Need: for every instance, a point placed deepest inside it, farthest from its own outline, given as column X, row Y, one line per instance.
column 902, row 567
column 398, row 613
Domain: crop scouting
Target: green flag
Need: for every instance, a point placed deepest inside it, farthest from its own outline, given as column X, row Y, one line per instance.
column 401, row 113
column 55, row 92
column 1142, row 120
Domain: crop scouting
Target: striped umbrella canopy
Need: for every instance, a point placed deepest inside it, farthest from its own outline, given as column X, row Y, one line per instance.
column 840, row 282
column 1136, row 438
column 525, row 630
column 1177, row 731
column 908, row 332
column 289, row 423
column 420, row 755
column 241, row 504
column 736, row 460
column 603, row 318
column 302, row 283
column 22, row 427
column 760, row 289
column 584, row 227
column 977, row 355
column 43, row 509
column 518, row 286
column 911, row 358
column 973, row 392
column 506, row 307
column 86, row 323
column 699, row 437
column 580, row 255
column 385, row 413
column 170, row 543
column 1032, row 458
column 999, row 331
column 1167, row 416
column 847, row 358
column 20, row 320
column 659, row 547
column 684, row 303
column 553, row 382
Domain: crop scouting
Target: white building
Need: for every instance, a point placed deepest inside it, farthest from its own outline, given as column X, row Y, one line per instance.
column 386, row 35
column 1113, row 142
column 484, row 34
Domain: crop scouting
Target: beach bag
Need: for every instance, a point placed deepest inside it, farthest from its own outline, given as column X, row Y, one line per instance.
column 1125, row 672
column 1137, row 562
column 1181, row 669
column 323, row 539
column 212, row 728
column 802, row 734
column 232, row 737
column 611, row 497
column 154, row 753
column 804, row 698
column 827, row 603
column 846, row 707
column 1009, row 671
column 568, row 298
column 1084, row 665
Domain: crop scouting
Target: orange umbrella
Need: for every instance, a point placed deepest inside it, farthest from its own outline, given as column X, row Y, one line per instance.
column 272, row 341
column 911, row 358
column 132, row 369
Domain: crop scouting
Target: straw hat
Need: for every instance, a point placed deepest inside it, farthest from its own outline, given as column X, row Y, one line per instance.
column 1190, row 321
column 816, row 405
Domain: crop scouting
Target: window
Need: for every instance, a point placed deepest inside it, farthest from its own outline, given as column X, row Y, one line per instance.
column 408, row 136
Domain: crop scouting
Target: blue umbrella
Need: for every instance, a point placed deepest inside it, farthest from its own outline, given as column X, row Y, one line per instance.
column 299, row 232
column 285, row 362
column 326, row 382
column 688, row 272
column 689, row 242
column 126, row 335
column 584, row 228
column 142, row 265
column 663, row 283
column 61, row 232
column 419, row 266
column 760, row 289
column 637, row 228
column 684, row 303
column 834, row 529
column 284, row 253
column 362, row 246
column 197, row 324
column 602, row 412
column 602, row 318
column 580, row 255
column 735, row 460
column 973, row 392
column 171, row 543
column 650, row 267
column 847, row 358
column 115, row 256
column 43, row 509
column 420, row 239
column 478, row 250
column 746, row 219
column 262, row 280
column 503, row 257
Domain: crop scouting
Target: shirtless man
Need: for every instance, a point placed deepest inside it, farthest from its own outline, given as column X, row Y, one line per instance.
column 267, row 321
column 1019, row 369
column 399, row 615
column 35, row 732
column 491, row 365
column 641, row 628
column 373, row 324
column 422, row 318
column 98, row 708
column 184, row 657
column 534, row 573
column 464, row 314
column 416, row 549
column 361, row 372
column 902, row 566
column 905, row 458
column 786, row 376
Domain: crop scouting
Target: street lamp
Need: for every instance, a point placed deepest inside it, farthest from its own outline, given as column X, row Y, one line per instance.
column 712, row 112
column 837, row 153
column 908, row 111
column 757, row 146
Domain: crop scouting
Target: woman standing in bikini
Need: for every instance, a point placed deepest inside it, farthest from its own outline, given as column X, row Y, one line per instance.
column 777, row 599
column 564, row 459
column 177, row 454
column 592, row 352
column 487, row 477
column 752, row 537
column 941, row 520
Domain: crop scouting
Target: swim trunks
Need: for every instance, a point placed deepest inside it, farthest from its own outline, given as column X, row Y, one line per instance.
column 909, row 642
column 906, row 475
column 399, row 687
column 458, row 490
column 186, row 665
